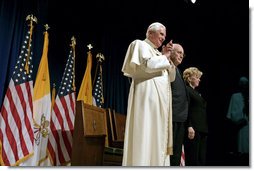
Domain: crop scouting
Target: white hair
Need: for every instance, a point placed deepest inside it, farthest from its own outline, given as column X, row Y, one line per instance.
column 154, row 27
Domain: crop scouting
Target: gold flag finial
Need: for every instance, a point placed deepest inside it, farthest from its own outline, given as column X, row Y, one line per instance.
column 73, row 41
column 46, row 27
column 89, row 46
column 32, row 19
column 100, row 57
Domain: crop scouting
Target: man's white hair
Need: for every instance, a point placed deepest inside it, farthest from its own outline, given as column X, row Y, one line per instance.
column 154, row 27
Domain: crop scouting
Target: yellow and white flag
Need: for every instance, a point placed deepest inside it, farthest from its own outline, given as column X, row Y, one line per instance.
column 85, row 91
column 42, row 109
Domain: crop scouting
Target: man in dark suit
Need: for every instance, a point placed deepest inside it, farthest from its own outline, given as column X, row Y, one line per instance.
column 179, row 106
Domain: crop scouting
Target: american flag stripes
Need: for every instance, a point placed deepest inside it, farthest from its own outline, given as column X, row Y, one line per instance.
column 16, row 122
column 63, row 115
column 182, row 163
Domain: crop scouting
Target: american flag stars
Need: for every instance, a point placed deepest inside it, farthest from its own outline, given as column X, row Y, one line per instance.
column 20, row 75
column 67, row 81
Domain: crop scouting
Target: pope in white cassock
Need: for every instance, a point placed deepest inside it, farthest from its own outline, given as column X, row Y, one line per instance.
column 148, row 133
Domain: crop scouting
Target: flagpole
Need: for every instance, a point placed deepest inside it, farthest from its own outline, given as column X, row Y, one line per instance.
column 73, row 44
column 100, row 58
column 53, row 96
column 32, row 19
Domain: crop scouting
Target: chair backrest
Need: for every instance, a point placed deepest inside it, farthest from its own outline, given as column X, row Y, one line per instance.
column 111, row 132
column 116, row 128
column 119, row 123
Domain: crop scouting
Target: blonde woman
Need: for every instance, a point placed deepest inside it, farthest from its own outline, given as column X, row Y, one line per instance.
column 197, row 126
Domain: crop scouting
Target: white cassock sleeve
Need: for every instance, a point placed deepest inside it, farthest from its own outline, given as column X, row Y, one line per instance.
column 140, row 54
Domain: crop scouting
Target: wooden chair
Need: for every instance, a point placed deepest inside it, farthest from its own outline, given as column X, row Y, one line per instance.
column 116, row 128
column 115, row 136
column 119, row 121
column 110, row 125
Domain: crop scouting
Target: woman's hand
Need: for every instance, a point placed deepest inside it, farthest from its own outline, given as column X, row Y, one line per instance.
column 191, row 133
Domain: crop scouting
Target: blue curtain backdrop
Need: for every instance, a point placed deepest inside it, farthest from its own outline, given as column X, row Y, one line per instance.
column 13, row 26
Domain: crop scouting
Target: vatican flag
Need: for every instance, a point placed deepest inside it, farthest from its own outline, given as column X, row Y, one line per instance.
column 85, row 92
column 42, row 109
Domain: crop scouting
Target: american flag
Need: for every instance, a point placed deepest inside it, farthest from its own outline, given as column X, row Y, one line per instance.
column 63, row 115
column 98, row 83
column 16, row 130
